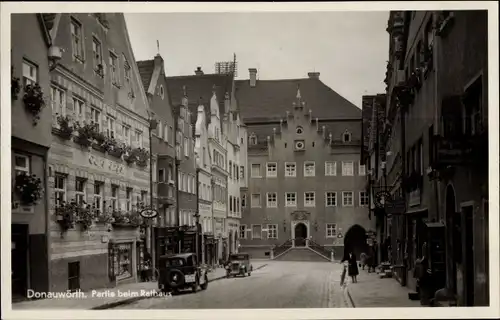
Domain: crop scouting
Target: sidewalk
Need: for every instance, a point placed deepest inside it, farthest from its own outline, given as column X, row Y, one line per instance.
column 109, row 298
column 372, row 292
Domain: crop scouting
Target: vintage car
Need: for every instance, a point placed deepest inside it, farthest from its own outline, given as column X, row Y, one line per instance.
column 179, row 272
column 238, row 264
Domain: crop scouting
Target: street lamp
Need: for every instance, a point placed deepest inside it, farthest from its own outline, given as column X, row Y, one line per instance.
column 152, row 126
column 197, row 214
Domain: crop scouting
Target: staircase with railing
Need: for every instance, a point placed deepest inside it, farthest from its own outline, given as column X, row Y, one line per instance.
column 327, row 253
column 279, row 250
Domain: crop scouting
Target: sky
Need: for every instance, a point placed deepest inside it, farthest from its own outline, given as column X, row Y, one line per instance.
column 349, row 49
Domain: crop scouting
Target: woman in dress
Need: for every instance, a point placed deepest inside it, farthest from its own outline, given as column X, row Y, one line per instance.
column 353, row 267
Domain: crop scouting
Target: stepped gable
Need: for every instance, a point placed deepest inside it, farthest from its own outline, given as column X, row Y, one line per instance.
column 199, row 89
column 269, row 100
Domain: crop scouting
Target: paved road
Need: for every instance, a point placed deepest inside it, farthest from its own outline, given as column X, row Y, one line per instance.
column 278, row 285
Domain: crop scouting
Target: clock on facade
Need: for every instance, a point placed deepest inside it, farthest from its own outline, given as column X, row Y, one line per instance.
column 299, row 145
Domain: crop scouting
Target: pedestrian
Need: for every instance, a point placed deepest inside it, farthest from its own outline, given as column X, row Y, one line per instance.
column 147, row 267
column 363, row 260
column 422, row 274
column 352, row 269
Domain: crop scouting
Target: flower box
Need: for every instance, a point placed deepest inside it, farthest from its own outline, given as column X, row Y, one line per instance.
column 34, row 102
column 29, row 188
column 65, row 127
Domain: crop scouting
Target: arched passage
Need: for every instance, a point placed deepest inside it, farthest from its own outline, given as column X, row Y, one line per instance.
column 355, row 241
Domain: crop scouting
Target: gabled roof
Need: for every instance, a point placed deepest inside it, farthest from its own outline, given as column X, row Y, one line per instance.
column 270, row 99
column 146, row 68
column 199, row 89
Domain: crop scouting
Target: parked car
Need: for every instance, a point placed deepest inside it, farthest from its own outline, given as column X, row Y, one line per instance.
column 239, row 264
column 181, row 271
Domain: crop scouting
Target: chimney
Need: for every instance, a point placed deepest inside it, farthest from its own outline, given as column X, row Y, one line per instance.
column 313, row 75
column 198, row 71
column 253, row 77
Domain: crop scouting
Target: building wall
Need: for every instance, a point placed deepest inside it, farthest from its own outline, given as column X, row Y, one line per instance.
column 28, row 44
column 126, row 103
column 281, row 150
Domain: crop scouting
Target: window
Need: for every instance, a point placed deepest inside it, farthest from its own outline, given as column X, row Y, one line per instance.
column 244, row 200
column 253, row 140
column 97, row 54
column 129, row 199
column 290, row 169
column 272, row 169
column 309, row 169
column 309, row 199
column 330, row 168
column 126, row 68
column 230, row 169
column 165, row 133
column 331, row 230
column 347, row 199
column 111, row 127
column 161, row 175
column 256, row 231
column 98, row 188
column 272, row 231
column 186, row 146
column 331, row 199
column 79, row 106
column 30, row 73
column 242, row 172
column 113, row 65
column 243, row 231
column 346, row 136
column 347, row 168
column 58, row 99
column 363, row 198
column 256, row 200
column 256, row 170
column 80, row 191
column 291, row 199
column 144, row 196
column 138, row 138
column 162, row 92
column 114, row 197
column 272, row 201
column 362, row 170
column 77, row 39
column 60, row 188
column 159, row 128
column 299, row 130
column 126, row 134
column 95, row 117
column 238, row 208
column 170, row 133
column 22, row 164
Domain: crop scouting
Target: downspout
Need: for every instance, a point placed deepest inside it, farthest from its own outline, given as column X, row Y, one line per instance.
column 47, row 217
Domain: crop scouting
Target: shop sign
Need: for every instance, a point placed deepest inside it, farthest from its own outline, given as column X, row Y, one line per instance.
column 149, row 213
column 381, row 198
column 398, row 206
column 106, row 164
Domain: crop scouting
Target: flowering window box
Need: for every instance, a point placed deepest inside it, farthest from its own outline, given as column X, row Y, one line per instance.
column 29, row 188
column 64, row 128
column 86, row 134
column 34, row 102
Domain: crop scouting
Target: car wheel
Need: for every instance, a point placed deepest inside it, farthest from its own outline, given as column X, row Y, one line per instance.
column 195, row 286
column 204, row 286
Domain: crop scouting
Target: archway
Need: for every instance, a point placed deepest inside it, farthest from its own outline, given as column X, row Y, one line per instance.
column 454, row 233
column 300, row 234
column 355, row 241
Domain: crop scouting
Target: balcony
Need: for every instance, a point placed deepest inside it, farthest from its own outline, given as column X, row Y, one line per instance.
column 166, row 194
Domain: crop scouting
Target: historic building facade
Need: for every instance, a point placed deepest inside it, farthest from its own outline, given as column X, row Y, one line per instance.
column 215, row 93
column 163, row 148
column 435, row 144
column 99, row 156
column 305, row 182
column 30, row 246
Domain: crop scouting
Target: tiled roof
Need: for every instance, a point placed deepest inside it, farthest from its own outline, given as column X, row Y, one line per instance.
column 48, row 20
column 199, row 89
column 146, row 68
column 270, row 99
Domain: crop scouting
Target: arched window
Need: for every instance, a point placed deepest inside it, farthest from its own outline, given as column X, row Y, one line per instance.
column 253, row 139
column 346, row 136
column 299, row 130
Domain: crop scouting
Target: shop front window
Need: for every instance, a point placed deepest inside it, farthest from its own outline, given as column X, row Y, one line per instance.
column 123, row 263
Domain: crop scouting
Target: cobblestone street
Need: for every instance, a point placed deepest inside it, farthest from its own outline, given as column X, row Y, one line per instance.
column 278, row 285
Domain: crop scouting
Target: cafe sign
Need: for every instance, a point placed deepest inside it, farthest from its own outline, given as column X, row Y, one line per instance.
column 106, row 164
column 149, row 213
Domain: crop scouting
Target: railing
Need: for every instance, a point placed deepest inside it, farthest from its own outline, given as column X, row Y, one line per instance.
column 282, row 248
column 300, row 242
column 320, row 249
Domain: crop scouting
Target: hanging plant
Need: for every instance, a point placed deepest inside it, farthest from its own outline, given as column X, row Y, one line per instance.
column 66, row 128
column 118, row 149
column 135, row 218
column 118, row 217
column 34, row 101
column 109, row 144
column 29, row 188
column 103, row 217
column 142, row 156
column 128, row 155
column 86, row 215
column 99, row 137
column 15, row 85
column 86, row 133
column 66, row 214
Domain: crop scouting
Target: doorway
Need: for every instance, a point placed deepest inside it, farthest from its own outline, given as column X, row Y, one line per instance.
column 19, row 251
column 355, row 241
column 300, row 235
